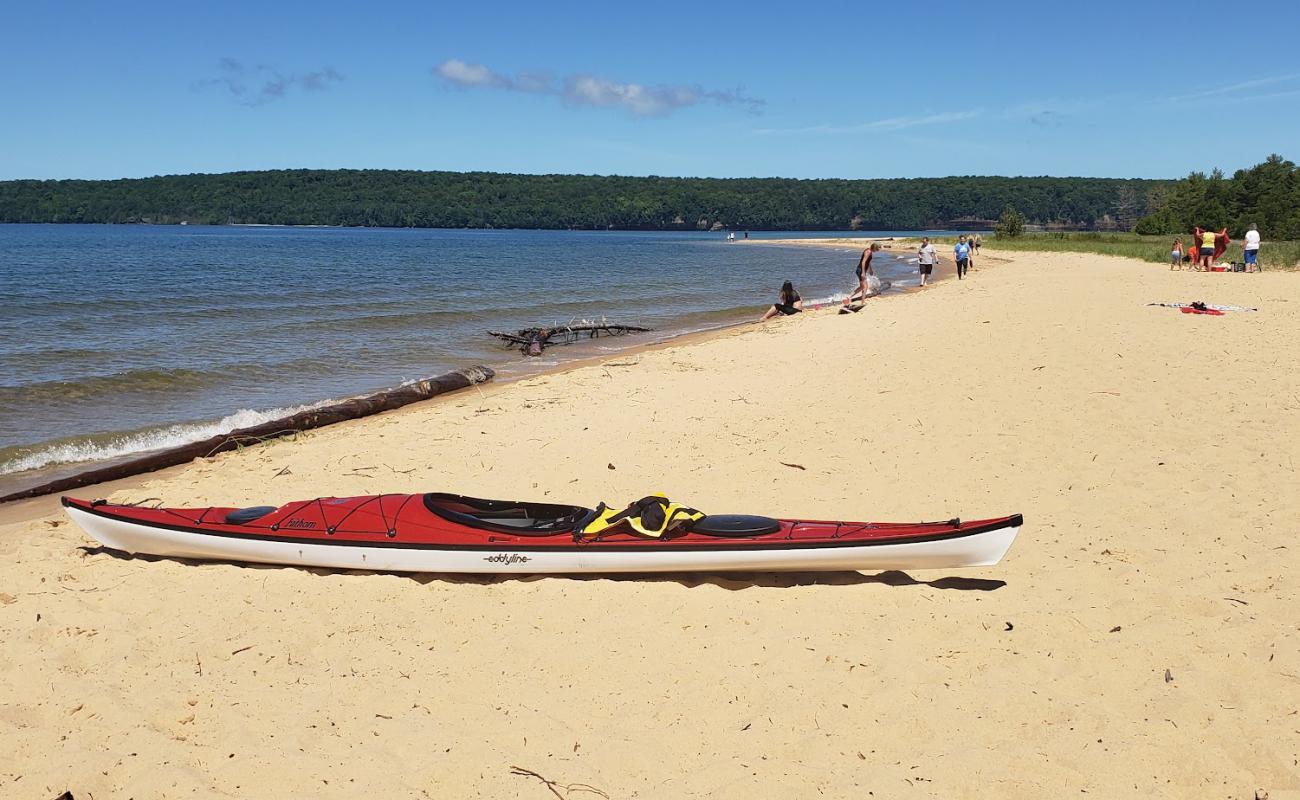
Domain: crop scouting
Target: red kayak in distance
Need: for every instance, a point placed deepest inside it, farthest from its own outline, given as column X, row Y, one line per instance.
column 437, row 532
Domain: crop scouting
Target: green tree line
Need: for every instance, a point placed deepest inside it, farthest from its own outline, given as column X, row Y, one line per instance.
column 1267, row 194
column 496, row 200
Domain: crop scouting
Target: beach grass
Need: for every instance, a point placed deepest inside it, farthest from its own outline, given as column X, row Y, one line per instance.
column 1284, row 255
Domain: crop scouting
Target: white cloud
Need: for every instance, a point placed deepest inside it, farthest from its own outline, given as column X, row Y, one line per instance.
column 589, row 90
column 459, row 73
column 640, row 100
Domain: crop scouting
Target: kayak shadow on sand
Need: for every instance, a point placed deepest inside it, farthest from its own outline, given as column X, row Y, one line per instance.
column 732, row 581
column 789, row 580
column 735, row 581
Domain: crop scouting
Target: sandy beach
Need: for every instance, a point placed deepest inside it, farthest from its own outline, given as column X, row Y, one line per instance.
column 1140, row 639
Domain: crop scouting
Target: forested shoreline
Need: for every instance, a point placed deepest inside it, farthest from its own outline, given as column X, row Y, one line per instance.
column 386, row 198
column 1266, row 195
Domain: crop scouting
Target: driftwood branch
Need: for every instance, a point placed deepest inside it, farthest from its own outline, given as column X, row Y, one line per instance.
column 532, row 341
column 355, row 408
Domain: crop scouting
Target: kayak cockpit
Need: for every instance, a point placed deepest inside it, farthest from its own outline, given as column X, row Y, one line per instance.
column 508, row 516
column 544, row 519
column 243, row 516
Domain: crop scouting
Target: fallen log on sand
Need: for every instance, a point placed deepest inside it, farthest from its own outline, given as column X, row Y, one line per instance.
column 354, row 408
column 531, row 341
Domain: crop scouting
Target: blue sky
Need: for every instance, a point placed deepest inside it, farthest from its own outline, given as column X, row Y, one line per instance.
column 861, row 90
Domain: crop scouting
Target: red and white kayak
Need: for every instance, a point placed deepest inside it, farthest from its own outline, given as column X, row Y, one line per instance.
column 450, row 533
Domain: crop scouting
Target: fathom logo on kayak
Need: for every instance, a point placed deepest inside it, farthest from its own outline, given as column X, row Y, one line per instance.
column 508, row 558
column 300, row 523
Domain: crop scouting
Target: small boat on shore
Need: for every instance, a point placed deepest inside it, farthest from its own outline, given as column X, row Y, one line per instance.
column 438, row 532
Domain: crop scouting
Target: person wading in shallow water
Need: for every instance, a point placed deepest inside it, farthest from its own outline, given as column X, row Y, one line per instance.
column 864, row 273
column 788, row 303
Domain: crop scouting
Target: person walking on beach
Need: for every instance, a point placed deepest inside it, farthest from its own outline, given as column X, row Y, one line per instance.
column 1176, row 255
column 961, row 252
column 1250, row 250
column 789, row 302
column 977, row 242
column 925, row 258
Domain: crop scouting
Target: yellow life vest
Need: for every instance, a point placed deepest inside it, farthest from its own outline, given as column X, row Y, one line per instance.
column 651, row 516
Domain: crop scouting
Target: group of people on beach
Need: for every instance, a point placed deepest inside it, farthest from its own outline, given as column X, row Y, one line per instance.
column 789, row 302
column 1208, row 245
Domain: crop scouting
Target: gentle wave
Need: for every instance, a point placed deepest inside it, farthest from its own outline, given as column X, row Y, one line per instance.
column 165, row 381
column 120, row 446
column 136, row 380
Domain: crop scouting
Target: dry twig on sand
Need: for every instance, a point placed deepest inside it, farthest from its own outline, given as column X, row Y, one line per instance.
column 556, row 787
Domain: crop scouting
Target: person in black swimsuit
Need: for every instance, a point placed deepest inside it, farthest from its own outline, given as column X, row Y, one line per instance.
column 788, row 303
column 864, row 273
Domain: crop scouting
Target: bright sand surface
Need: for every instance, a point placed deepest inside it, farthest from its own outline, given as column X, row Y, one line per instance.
column 1140, row 638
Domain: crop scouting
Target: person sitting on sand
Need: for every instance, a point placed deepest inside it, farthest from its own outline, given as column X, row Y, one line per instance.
column 925, row 258
column 788, row 303
column 1176, row 255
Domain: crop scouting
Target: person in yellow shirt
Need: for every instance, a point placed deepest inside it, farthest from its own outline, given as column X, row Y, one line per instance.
column 1207, row 250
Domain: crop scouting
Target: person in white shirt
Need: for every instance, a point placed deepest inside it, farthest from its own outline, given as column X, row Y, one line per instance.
column 1251, row 249
column 925, row 258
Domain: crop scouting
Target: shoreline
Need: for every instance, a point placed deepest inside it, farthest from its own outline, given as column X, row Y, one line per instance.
column 514, row 371
column 52, row 472
column 945, row 269
column 36, row 508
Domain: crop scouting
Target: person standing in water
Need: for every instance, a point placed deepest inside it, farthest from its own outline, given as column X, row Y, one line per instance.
column 864, row 273
column 788, row 302
column 961, row 252
column 925, row 258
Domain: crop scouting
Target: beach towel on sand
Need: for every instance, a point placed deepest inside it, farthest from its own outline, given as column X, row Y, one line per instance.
column 1198, row 306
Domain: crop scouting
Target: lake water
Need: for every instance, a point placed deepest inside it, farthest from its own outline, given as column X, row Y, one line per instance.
column 120, row 339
